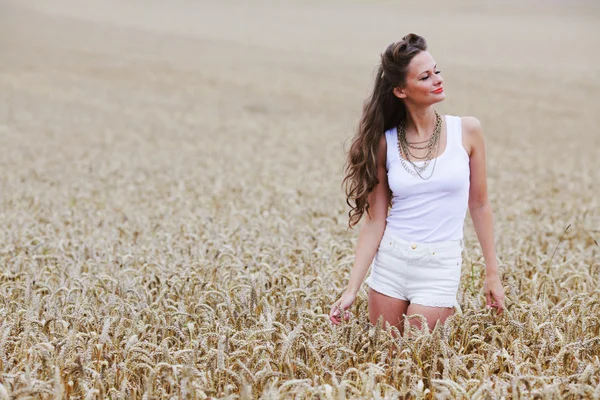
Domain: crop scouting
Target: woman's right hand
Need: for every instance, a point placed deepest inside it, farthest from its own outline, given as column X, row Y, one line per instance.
column 341, row 305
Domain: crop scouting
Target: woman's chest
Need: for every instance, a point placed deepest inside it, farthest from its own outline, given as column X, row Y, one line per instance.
column 445, row 175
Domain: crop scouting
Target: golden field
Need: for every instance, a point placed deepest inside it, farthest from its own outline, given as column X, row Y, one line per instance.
column 173, row 223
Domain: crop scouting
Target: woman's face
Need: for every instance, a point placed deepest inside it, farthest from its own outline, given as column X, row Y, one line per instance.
column 424, row 84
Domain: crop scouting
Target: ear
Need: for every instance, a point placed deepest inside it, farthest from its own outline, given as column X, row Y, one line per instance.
column 399, row 92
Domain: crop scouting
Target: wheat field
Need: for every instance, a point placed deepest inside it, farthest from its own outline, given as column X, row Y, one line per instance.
column 173, row 223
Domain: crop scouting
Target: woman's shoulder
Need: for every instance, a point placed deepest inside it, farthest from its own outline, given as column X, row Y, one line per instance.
column 472, row 132
column 387, row 135
column 470, row 124
column 383, row 140
column 467, row 122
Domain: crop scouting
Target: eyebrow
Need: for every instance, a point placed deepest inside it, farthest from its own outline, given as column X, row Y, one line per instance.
column 426, row 71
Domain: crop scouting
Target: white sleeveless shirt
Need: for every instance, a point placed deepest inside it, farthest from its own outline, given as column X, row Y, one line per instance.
column 430, row 210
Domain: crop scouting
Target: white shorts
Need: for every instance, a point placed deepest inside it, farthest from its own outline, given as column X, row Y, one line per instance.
column 422, row 273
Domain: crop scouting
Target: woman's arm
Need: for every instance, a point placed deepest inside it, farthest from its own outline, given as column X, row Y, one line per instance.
column 481, row 209
column 370, row 234
column 373, row 224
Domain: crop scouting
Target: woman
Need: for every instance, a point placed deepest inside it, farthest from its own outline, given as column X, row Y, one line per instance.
column 428, row 168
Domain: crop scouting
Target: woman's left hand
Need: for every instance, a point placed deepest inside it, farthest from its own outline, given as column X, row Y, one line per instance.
column 492, row 287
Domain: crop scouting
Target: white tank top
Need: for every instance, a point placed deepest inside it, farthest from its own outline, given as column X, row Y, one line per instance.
column 430, row 210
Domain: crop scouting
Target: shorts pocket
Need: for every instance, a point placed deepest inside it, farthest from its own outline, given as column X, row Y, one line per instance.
column 386, row 245
column 452, row 256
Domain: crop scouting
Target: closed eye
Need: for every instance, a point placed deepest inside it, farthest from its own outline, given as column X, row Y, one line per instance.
column 437, row 73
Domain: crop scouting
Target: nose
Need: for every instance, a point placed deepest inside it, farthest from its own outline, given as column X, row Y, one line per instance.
column 439, row 80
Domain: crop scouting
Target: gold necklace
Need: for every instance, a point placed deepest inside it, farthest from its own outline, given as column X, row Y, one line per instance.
column 432, row 149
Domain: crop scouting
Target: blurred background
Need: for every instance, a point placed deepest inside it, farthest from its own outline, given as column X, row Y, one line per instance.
column 194, row 106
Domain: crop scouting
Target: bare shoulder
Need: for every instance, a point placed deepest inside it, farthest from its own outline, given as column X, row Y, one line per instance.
column 472, row 133
column 471, row 125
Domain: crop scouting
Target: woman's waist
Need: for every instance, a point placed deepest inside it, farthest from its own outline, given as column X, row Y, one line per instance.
column 433, row 240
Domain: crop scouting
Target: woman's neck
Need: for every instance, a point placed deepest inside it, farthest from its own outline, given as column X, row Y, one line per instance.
column 420, row 121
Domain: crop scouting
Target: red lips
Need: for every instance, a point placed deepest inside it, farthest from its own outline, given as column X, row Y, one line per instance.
column 440, row 90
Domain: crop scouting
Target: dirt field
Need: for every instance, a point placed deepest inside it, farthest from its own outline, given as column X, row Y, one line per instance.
column 172, row 221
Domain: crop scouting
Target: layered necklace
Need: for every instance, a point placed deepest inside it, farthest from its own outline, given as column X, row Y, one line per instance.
column 431, row 145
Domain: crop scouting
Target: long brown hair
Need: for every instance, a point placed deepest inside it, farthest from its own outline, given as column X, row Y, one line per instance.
column 382, row 110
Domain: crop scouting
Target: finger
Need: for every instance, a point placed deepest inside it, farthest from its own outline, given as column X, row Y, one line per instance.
column 338, row 310
column 334, row 317
column 501, row 305
column 334, row 309
column 337, row 317
column 488, row 297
